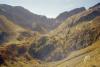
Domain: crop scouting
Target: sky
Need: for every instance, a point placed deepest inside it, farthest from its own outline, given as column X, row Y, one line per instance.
column 50, row 8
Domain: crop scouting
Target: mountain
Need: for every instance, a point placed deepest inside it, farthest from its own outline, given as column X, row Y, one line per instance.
column 11, row 32
column 65, row 15
column 75, row 42
column 8, row 29
column 8, row 26
column 58, row 46
column 96, row 6
column 27, row 19
column 77, row 32
column 87, row 57
column 14, row 42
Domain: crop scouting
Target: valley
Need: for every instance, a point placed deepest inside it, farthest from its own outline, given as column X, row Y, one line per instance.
column 29, row 40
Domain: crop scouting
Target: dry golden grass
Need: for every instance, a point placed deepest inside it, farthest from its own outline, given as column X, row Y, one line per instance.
column 76, row 59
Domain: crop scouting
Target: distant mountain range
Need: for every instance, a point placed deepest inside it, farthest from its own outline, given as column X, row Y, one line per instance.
column 27, row 19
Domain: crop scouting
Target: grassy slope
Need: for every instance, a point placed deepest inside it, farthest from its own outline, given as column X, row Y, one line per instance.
column 76, row 58
column 14, row 31
column 9, row 26
column 25, row 41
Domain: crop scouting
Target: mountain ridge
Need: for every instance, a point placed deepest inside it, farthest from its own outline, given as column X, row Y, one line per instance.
column 27, row 19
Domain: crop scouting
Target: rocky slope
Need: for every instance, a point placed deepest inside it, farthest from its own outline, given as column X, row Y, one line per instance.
column 77, row 32
column 57, row 47
column 76, row 39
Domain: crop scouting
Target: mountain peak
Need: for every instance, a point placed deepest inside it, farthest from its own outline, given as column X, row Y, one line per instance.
column 67, row 14
column 97, row 5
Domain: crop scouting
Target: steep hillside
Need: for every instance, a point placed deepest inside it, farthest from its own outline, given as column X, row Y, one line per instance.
column 88, row 57
column 63, row 16
column 96, row 6
column 15, row 42
column 75, row 43
column 8, row 26
column 10, row 32
column 77, row 32
column 27, row 19
column 8, row 29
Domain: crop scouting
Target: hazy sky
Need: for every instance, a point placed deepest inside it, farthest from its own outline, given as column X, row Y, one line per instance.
column 50, row 8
